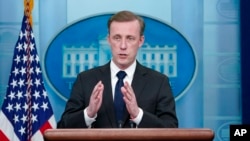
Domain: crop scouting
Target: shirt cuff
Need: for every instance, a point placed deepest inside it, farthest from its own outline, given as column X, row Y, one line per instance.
column 138, row 119
column 88, row 120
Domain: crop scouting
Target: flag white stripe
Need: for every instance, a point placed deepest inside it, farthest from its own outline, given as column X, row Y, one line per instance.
column 37, row 136
column 52, row 121
column 7, row 128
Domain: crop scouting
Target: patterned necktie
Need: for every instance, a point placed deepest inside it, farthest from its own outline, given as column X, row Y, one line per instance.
column 118, row 100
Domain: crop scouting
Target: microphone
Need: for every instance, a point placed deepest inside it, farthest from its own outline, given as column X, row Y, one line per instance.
column 120, row 123
column 131, row 123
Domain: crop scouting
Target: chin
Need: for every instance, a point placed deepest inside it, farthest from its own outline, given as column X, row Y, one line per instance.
column 123, row 64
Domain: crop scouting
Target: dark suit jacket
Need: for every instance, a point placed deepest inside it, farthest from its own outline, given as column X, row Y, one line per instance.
column 153, row 94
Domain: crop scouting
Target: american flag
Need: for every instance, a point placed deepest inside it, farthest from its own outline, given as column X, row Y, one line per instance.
column 26, row 111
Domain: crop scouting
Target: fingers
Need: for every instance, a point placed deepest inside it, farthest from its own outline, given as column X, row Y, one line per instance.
column 95, row 99
column 128, row 92
column 98, row 90
column 130, row 100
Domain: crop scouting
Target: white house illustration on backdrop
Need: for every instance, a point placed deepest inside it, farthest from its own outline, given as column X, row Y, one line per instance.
column 162, row 58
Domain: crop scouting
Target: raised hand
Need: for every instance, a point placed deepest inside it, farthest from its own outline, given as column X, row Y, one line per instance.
column 95, row 100
column 130, row 100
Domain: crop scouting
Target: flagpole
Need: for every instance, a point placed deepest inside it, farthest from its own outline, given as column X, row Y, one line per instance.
column 28, row 7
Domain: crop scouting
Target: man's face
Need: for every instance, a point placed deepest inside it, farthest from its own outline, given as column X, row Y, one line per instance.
column 125, row 40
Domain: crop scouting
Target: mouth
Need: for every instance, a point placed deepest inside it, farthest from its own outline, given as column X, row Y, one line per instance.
column 122, row 55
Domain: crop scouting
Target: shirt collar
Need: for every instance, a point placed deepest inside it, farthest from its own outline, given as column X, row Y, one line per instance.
column 129, row 71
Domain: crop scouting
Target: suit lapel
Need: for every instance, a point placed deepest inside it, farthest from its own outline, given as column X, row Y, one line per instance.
column 107, row 94
column 139, row 80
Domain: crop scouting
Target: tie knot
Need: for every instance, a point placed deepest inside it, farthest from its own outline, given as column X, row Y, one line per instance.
column 121, row 74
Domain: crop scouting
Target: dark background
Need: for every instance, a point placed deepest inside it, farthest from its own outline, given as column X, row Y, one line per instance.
column 245, row 59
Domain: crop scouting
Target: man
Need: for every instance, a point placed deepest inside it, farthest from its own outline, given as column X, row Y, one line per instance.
column 146, row 96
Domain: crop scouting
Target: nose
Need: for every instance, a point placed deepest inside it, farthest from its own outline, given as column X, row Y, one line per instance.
column 123, row 44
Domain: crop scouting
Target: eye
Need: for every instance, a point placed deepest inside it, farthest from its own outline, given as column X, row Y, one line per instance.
column 130, row 38
column 117, row 38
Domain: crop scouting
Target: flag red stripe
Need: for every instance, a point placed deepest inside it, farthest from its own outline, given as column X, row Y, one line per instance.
column 45, row 126
column 3, row 137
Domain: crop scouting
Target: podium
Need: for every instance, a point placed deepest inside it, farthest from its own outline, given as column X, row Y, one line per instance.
column 130, row 134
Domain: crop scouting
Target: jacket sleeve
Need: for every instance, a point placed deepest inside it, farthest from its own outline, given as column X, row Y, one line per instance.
column 161, row 113
column 73, row 115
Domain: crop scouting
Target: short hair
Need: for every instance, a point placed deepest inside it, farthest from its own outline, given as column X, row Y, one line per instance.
column 124, row 16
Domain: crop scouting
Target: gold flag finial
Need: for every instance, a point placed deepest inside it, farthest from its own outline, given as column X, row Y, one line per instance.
column 28, row 7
